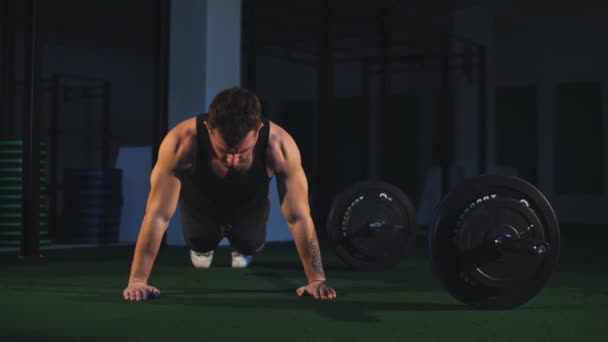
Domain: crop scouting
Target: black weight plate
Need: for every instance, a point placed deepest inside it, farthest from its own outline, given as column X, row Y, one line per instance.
column 475, row 237
column 446, row 256
column 370, row 225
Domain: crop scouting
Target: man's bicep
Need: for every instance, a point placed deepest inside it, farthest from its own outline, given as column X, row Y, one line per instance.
column 293, row 194
column 292, row 185
column 164, row 193
column 164, row 184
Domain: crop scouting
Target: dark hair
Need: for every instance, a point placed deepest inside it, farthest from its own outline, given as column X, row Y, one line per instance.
column 234, row 112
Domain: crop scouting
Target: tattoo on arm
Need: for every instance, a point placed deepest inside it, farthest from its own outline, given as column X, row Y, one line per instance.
column 315, row 252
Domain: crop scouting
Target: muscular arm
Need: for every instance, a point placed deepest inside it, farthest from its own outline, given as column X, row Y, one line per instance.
column 293, row 193
column 162, row 201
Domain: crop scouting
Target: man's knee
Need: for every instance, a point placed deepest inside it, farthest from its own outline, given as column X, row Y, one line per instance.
column 247, row 247
column 203, row 245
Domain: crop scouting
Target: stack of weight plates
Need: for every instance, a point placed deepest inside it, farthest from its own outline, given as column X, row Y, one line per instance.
column 11, row 159
column 92, row 204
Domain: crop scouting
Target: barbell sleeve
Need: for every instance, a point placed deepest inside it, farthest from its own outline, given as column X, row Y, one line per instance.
column 510, row 244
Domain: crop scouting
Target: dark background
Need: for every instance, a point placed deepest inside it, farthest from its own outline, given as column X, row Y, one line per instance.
column 417, row 93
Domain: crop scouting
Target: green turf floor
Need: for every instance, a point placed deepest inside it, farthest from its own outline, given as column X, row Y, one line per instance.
column 75, row 295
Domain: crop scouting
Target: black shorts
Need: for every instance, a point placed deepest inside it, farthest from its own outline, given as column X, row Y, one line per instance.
column 205, row 224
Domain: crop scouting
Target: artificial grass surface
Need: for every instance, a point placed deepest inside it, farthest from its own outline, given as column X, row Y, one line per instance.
column 75, row 295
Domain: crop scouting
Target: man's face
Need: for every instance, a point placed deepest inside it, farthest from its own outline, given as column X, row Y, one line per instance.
column 235, row 155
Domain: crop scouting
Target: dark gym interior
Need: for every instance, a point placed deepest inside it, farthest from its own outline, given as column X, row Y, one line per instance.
column 423, row 96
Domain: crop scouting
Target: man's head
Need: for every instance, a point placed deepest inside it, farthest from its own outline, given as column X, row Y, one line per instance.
column 234, row 121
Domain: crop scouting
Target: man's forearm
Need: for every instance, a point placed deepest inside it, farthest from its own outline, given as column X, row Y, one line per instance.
column 308, row 248
column 146, row 248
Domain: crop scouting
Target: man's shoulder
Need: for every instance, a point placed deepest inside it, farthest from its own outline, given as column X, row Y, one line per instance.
column 281, row 147
column 185, row 126
column 276, row 133
column 183, row 131
column 276, row 137
column 182, row 139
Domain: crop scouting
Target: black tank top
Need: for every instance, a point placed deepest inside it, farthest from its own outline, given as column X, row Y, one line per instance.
column 236, row 188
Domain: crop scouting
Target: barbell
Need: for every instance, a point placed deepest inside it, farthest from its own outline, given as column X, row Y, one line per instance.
column 493, row 241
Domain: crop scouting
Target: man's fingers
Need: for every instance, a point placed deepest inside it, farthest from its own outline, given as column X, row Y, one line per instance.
column 303, row 290
column 332, row 294
column 153, row 293
column 140, row 293
column 326, row 294
column 317, row 292
column 132, row 295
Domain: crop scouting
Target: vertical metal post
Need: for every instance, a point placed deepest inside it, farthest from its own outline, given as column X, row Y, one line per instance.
column 161, row 79
column 7, row 70
column 106, row 162
column 385, row 85
column 30, row 193
column 249, row 45
column 53, row 156
column 483, row 110
column 325, row 126
column 443, row 137
column 366, row 95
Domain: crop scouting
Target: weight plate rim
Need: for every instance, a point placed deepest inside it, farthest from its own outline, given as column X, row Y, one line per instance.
column 381, row 263
column 545, row 271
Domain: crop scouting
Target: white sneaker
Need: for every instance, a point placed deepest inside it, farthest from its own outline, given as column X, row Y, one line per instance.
column 201, row 260
column 240, row 260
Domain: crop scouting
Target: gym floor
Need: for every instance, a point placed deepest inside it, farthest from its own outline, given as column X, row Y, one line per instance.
column 75, row 295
